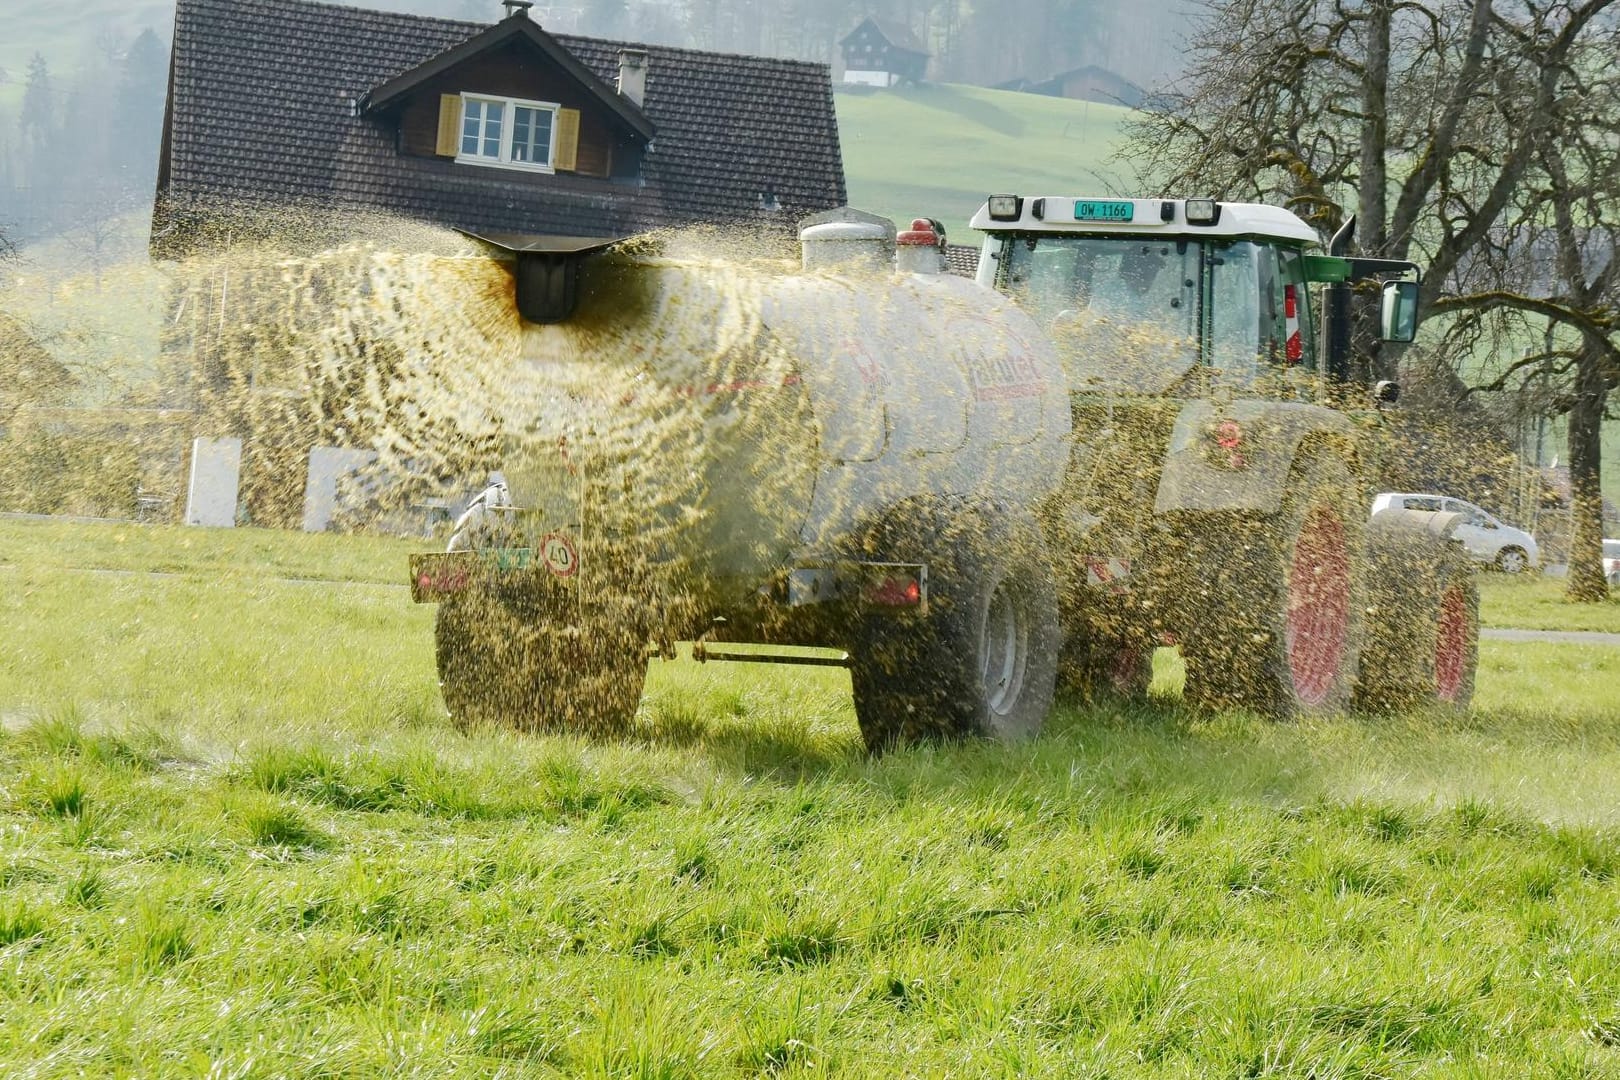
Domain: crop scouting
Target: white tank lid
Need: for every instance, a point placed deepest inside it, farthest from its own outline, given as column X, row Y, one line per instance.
column 846, row 243
column 844, row 231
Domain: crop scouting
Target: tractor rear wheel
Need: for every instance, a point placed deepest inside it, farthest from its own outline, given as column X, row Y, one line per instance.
column 1282, row 634
column 507, row 656
column 982, row 660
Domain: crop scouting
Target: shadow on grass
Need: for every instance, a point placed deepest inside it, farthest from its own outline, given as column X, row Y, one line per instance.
column 780, row 749
column 966, row 108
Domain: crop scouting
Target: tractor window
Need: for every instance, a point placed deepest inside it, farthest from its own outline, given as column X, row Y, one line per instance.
column 1238, row 334
column 1260, row 315
column 1299, row 330
column 1122, row 310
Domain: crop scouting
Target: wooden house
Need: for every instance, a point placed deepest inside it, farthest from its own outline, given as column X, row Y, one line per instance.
column 883, row 53
column 1088, row 83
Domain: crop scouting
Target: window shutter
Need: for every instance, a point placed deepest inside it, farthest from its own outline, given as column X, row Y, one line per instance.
column 449, row 125
column 567, row 140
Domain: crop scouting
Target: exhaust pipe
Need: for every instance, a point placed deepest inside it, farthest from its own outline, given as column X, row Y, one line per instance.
column 1337, row 309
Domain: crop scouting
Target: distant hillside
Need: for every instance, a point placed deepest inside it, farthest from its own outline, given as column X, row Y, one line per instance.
column 72, row 38
column 76, row 37
column 937, row 150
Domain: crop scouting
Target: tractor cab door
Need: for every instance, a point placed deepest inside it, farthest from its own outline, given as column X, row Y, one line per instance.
column 1260, row 332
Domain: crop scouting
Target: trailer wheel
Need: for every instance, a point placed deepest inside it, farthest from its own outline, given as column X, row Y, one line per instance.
column 1423, row 639
column 983, row 661
column 1282, row 633
column 505, row 658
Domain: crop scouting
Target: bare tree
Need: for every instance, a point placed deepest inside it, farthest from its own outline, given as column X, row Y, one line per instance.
column 1421, row 118
column 99, row 224
column 1554, row 277
column 1450, row 131
column 9, row 249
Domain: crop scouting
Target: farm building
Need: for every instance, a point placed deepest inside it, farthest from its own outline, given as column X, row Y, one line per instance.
column 314, row 124
column 883, row 53
column 1088, row 83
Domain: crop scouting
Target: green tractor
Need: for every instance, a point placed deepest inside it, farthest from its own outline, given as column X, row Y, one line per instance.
column 1220, row 481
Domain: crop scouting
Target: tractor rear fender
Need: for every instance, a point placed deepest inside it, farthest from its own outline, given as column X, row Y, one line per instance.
column 1237, row 456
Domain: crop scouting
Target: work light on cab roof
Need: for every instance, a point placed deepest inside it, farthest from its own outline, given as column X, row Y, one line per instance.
column 1146, row 217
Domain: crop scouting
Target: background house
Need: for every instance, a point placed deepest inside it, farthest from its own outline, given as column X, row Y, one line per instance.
column 1088, row 83
column 503, row 128
column 883, row 53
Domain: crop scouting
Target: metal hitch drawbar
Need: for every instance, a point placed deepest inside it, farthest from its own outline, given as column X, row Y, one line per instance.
column 703, row 653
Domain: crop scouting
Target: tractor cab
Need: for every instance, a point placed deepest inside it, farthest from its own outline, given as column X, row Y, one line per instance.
column 1141, row 294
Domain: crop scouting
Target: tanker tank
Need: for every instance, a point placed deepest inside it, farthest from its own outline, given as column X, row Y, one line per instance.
column 818, row 455
column 737, row 418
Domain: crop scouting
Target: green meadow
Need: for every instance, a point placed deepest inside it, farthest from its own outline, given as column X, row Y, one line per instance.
column 239, row 838
column 937, row 150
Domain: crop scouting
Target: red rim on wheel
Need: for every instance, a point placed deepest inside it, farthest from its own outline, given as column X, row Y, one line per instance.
column 1126, row 669
column 1318, row 606
column 1451, row 644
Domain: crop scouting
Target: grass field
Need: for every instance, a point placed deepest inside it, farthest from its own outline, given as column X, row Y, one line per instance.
column 239, row 838
column 938, row 150
column 1533, row 602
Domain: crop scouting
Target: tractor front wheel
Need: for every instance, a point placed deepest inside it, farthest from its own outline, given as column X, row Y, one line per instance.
column 1423, row 636
column 1282, row 633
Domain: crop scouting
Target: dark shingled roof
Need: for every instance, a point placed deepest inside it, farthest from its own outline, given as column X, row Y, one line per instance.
column 263, row 111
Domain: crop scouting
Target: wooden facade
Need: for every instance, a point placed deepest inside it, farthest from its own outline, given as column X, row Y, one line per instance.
column 871, row 47
column 1098, row 84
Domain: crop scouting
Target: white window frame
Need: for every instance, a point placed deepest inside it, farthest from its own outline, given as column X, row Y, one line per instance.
column 508, row 126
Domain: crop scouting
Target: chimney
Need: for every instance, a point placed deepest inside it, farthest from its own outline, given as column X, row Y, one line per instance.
column 633, row 75
column 517, row 7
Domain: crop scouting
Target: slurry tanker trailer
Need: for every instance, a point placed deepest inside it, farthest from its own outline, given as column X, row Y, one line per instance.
column 1128, row 432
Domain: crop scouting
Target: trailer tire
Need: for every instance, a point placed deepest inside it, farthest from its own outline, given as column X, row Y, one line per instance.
column 506, row 659
column 1423, row 637
column 982, row 662
column 1281, row 635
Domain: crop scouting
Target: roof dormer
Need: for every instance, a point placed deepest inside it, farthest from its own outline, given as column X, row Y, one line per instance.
column 513, row 98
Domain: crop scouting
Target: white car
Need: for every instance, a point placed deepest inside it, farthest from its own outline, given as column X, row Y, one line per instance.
column 1483, row 536
column 1611, row 561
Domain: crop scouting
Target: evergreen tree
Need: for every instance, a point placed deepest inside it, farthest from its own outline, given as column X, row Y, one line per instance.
column 37, row 158
column 138, row 112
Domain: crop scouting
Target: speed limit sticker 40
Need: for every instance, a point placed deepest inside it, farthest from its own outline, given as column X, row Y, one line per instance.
column 557, row 552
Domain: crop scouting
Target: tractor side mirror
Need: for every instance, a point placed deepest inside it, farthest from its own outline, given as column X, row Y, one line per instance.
column 1400, row 311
